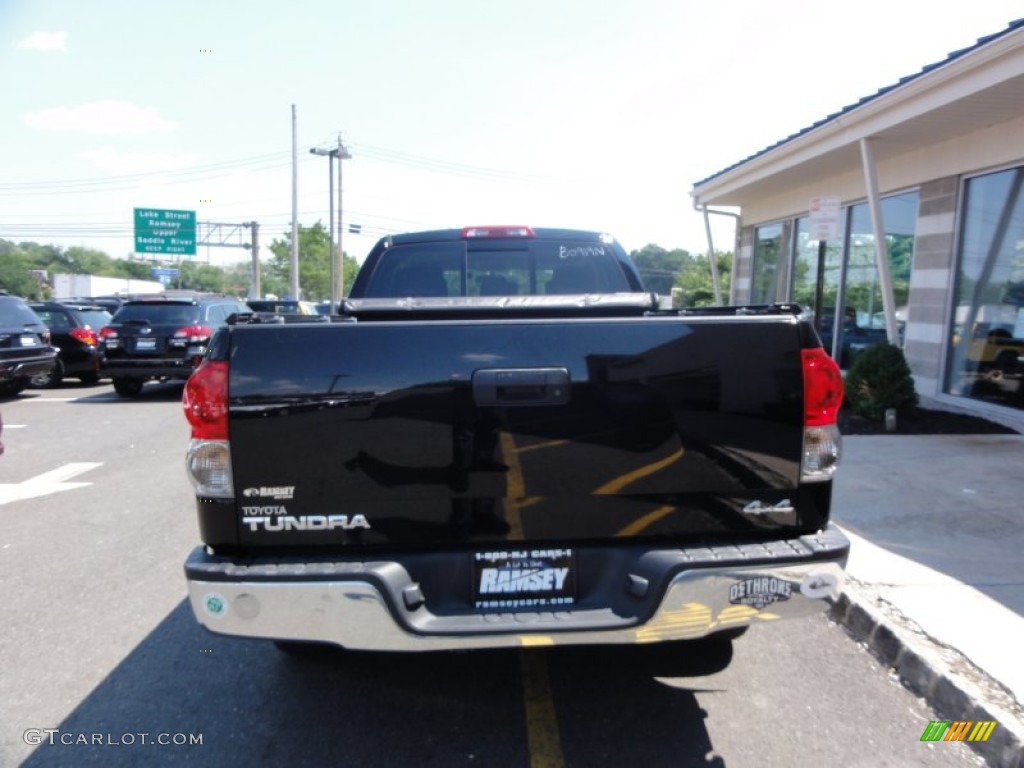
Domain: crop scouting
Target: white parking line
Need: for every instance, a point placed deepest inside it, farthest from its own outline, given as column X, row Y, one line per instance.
column 46, row 483
column 51, row 400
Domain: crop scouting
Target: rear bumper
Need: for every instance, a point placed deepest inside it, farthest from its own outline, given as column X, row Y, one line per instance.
column 656, row 595
column 79, row 359
column 163, row 368
column 13, row 368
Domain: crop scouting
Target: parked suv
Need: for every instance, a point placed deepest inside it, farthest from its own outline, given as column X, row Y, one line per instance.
column 25, row 349
column 74, row 329
column 160, row 339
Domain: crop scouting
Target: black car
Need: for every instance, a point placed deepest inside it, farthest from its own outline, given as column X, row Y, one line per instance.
column 74, row 330
column 161, row 338
column 25, row 349
column 110, row 303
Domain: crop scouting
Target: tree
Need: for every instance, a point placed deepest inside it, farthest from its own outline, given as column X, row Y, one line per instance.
column 696, row 288
column 663, row 270
column 314, row 263
column 878, row 380
column 349, row 268
column 86, row 261
column 238, row 278
column 659, row 268
column 16, row 273
column 129, row 268
column 196, row 276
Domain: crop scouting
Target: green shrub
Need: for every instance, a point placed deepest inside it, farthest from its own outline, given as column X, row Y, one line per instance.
column 880, row 379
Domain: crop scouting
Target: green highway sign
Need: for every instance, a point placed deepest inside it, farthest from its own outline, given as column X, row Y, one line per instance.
column 159, row 230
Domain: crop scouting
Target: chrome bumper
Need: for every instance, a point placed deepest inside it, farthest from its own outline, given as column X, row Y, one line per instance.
column 351, row 608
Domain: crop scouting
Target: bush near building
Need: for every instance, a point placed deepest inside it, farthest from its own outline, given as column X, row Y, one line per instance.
column 878, row 380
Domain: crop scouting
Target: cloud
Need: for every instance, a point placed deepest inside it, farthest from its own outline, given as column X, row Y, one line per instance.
column 107, row 118
column 45, row 41
column 111, row 161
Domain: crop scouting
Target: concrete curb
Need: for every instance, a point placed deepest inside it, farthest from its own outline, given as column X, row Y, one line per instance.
column 954, row 687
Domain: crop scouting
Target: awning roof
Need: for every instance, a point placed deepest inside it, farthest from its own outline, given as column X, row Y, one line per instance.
column 970, row 89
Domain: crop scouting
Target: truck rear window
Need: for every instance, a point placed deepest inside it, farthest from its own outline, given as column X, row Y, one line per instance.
column 497, row 268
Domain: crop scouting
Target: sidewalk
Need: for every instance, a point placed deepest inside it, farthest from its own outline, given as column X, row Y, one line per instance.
column 935, row 581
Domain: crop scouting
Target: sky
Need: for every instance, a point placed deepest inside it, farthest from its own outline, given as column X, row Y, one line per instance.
column 590, row 114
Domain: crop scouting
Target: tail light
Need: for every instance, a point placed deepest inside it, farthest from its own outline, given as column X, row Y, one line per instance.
column 823, row 394
column 500, row 231
column 191, row 334
column 823, row 388
column 205, row 401
column 85, row 335
column 108, row 337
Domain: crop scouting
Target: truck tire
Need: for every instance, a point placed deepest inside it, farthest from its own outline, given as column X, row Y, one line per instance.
column 126, row 387
column 14, row 387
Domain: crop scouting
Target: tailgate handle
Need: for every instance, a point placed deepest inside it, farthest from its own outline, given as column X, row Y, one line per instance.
column 521, row 386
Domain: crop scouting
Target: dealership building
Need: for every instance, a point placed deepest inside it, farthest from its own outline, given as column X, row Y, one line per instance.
column 901, row 218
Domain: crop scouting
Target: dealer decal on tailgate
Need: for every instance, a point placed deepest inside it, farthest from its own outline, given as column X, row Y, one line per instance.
column 539, row 578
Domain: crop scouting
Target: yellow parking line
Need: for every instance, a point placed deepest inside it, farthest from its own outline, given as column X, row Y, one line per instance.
column 541, row 722
column 616, row 485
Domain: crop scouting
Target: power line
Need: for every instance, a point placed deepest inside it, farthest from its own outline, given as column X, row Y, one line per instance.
column 456, row 169
column 265, row 162
column 130, row 181
column 109, row 225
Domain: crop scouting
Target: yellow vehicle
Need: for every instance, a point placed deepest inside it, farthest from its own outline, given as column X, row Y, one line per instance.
column 995, row 350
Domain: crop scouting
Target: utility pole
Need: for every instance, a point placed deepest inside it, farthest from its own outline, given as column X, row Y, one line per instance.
column 254, row 287
column 294, row 268
column 338, row 289
column 329, row 154
column 337, row 261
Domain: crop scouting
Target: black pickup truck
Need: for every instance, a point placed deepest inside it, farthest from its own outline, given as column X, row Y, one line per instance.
column 502, row 440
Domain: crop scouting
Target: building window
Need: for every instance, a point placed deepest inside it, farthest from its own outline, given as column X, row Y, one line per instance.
column 863, row 311
column 988, row 323
column 786, row 264
column 804, row 290
column 771, row 259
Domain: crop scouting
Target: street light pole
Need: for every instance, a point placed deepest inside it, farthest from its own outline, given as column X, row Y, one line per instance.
column 342, row 154
column 337, row 259
column 330, row 188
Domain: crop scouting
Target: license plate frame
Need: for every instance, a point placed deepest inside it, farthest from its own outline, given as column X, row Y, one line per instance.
column 527, row 579
column 145, row 345
column 28, row 340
